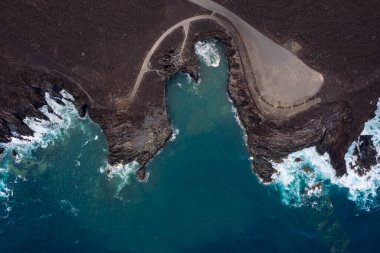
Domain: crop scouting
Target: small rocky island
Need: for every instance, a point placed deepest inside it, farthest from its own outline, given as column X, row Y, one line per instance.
column 297, row 78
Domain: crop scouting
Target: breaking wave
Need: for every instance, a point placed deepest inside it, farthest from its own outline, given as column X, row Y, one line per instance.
column 62, row 115
column 304, row 175
column 60, row 118
column 121, row 173
column 364, row 189
column 208, row 52
column 237, row 119
column 174, row 134
column 300, row 176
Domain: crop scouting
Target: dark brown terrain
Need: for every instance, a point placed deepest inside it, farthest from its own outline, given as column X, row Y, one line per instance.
column 95, row 50
column 341, row 41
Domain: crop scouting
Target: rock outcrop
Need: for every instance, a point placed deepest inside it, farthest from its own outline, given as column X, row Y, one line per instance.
column 366, row 154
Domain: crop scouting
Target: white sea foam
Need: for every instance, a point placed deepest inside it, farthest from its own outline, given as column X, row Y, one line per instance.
column 121, row 170
column 121, row 173
column 174, row 134
column 45, row 132
column 66, row 204
column 5, row 210
column 5, row 192
column 20, row 178
column 198, row 82
column 89, row 140
column 364, row 189
column 208, row 52
column 298, row 181
column 86, row 142
column 67, row 95
column 189, row 79
column 236, row 116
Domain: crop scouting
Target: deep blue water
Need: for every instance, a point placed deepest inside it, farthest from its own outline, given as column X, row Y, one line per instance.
column 201, row 195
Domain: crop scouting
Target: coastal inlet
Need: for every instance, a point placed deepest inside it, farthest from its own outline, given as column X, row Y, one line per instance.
column 201, row 195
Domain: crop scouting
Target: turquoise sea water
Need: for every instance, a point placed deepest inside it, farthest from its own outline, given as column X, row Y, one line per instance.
column 201, row 195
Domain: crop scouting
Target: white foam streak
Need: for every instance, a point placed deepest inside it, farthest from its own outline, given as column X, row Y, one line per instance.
column 189, row 79
column 121, row 173
column 236, row 116
column 5, row 192
column 67, row 95
column 45, row 132
column 174, row 134
column 121, row 170
column 66, row 204
column 208, row 52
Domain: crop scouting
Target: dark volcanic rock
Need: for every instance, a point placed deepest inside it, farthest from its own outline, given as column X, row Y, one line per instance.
column 138, row 133
column 307, row 169
column 263, row 169
column 317, row 187
column 366, row 155
column 167, row 58
column 1, row 150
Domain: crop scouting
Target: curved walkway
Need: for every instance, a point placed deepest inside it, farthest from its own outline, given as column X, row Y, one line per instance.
column 282, row 79
column 122, row 104
column 281, row 84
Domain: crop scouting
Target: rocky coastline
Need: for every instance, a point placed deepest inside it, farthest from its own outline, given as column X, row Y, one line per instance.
column 331, row 126
column 138, row 132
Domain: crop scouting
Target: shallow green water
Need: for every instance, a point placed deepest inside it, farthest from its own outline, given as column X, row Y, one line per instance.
column 201, row 195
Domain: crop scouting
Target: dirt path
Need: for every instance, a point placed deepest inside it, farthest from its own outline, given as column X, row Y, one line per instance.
column 124, row 103
column 280, row 83
column 285, row 84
